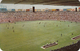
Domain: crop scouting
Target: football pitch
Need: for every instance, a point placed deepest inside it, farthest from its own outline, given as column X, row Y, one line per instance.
column 31, row 35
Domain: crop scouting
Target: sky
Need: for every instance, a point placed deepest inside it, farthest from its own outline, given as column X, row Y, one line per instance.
column 27, row 6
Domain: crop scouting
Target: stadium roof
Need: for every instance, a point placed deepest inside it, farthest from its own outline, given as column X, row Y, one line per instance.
column 45, row 2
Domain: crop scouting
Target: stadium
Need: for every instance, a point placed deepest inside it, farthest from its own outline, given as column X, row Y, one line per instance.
column 39, row 29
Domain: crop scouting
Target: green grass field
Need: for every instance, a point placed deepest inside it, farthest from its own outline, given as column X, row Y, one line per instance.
column 31, row 35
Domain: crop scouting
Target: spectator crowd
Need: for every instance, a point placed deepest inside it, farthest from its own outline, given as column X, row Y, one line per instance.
column 30, row 16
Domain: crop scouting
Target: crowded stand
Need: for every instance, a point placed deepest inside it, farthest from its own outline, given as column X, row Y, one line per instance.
column 31, row 16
